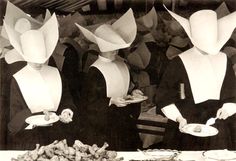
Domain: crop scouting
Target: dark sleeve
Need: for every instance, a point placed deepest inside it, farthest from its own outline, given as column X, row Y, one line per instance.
column 94, row 102
column 228, row 90
column 18, row 109
column 71, row 71
column 134, row 110
column 168, row 90
column 66, row 99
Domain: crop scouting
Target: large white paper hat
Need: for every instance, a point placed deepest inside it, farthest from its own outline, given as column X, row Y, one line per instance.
column 113, row 37
column 148, row 21
column 14, row 13
column 21, row 22
column 205, row 31
column 32, row 45
column 3, row 41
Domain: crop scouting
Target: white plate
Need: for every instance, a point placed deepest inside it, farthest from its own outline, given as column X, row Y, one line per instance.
column 136, row 99
column 158, row 154
column 39, row 120
column 205, row 130
column 219, row 155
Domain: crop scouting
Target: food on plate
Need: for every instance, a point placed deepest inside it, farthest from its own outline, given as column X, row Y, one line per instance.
column 197, row 128
column 128, row 97
column 133, row 97
column 46, row 115
column 60, row 151
column 157, row 155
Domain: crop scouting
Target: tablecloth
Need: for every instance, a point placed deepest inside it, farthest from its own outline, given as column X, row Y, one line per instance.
column 184, row 156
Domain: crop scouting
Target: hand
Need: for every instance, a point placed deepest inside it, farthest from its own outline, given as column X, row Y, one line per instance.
column 66, row 116
column 182, row 122
column 119, row 102
column 227, row 110
column 137, row 93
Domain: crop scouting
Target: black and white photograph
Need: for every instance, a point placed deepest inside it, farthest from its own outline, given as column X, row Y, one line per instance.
column 117, row 80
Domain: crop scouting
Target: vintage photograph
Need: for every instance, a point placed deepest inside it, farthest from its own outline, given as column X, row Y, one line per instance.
column 117, row 80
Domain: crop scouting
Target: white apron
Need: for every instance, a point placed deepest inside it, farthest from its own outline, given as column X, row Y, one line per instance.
column 205, row 72
column 116, row 75
column 41, row 89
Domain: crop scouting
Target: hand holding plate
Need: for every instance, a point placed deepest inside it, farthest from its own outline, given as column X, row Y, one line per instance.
column 66, row 116
column 182, row 122
column 137, row 93
column 118, row 101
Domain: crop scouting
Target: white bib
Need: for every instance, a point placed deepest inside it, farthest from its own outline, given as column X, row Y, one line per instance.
column 116, row 75
column 205, row 72
column 40, row 89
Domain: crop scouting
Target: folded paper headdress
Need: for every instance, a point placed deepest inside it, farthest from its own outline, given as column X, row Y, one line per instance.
column 205, row 31
column 113, row 37
column 33, row 45
column 3, row 41
column 148, row 21
column 13, row 14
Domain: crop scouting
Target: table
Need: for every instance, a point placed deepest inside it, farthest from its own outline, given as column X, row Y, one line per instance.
column 184, row 156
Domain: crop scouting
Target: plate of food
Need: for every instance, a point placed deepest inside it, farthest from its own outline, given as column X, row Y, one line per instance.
column 220, row 155
column 43, row 119
column 135, row 99
column 200, row 130
column 159, row 154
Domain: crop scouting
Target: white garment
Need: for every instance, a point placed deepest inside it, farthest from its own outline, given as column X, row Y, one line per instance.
column 116, row 75
column 205, row 72
column 206, row 75
column 171, row 112
column 41, row 89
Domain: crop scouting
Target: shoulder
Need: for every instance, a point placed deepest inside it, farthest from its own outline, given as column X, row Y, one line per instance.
column 94, row 71
column 52, row 70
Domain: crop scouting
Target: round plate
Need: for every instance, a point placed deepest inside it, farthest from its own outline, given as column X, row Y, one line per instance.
column 160, row 154
column 225, row 155
column 40, row 121
column 205, row 130
column 136, row 99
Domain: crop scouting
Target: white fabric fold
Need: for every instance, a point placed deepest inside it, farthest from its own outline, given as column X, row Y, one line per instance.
column 125, row 27
column 116, row 75
column 49, row 32
column 42, row 89
column 171, row 112
column 205, row 72
column 205, row 31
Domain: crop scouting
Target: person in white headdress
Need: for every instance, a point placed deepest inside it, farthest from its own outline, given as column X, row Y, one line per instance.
column 37, row 88
column 106, row 115
column 199, row 84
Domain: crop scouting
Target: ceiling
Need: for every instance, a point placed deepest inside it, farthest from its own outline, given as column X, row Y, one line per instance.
column 101, row 6
column 36, row 7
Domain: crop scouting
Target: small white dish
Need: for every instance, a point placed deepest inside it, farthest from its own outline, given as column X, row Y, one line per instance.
column 39, row 120
column 206, row 131
column 136, row 99
column 219, row 155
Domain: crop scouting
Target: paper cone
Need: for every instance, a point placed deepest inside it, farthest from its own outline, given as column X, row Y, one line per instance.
column 125, row 27
column 205, row 31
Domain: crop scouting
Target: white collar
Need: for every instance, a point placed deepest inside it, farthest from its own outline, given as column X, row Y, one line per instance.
column 116, row 75
column 204, row 72
column 47, row 83
column 104, row 59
